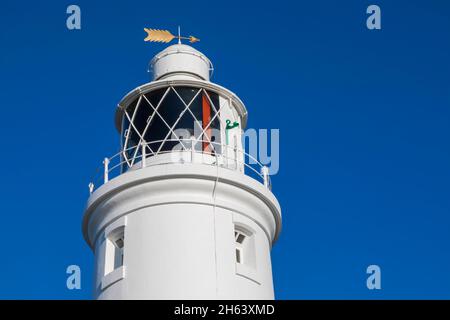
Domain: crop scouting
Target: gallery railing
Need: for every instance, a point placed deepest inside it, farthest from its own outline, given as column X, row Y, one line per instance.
column 143, row 156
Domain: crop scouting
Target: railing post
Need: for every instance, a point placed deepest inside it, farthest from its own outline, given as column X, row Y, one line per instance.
column 236, row 157
column 192, row 149
column 265, row 174
column 106, row 170
column 144, row 156
column 224, row 150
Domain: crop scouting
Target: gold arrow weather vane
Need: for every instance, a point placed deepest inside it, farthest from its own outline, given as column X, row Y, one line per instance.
column 156, row 35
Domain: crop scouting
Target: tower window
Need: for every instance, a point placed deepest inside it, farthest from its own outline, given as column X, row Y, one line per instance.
column 245, row 252
column 114, row 250
column 239, row 237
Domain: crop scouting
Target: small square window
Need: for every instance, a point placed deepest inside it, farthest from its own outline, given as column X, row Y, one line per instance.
column 119, row 243
column 240, row 238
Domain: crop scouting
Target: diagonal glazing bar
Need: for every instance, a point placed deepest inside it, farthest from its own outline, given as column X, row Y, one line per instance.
column 197, row 139
column 140, row 140
column 196, row 120
column 187, row 106
column 161, row 117
column 128, row 129
column 149, row 122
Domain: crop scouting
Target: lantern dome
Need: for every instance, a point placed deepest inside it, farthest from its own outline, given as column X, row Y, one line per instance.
column 180, row 61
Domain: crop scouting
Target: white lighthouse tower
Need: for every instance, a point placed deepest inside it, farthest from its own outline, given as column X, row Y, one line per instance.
column 180, row 212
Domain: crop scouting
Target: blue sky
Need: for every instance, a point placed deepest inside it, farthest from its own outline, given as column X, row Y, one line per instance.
column 363, row 118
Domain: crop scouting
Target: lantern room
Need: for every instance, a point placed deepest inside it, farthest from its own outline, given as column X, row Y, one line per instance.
column 181, row 116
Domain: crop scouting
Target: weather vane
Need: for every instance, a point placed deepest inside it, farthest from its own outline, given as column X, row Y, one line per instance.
column 156, row 35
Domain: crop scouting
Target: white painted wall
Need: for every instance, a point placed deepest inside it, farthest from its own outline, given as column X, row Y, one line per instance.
column 179, row 237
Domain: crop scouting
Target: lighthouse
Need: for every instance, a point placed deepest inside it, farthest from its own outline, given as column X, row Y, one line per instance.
column 182, row 211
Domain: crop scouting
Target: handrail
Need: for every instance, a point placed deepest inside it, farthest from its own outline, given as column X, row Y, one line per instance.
column 120, row 160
